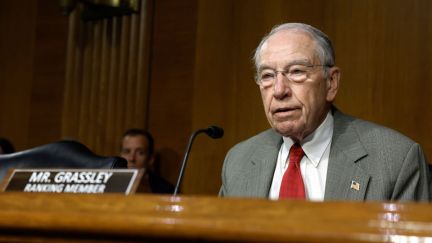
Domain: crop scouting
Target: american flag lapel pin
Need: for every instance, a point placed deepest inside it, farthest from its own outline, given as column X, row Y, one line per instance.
column 355, row 185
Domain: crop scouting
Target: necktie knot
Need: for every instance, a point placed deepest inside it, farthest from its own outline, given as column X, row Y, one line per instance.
column 296, row 154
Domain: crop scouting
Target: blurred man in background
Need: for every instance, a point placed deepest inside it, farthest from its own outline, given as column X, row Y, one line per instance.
column 137, row 148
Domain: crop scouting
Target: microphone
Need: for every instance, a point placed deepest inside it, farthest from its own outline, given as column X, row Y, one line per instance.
column 211, row 131
column 214, row 132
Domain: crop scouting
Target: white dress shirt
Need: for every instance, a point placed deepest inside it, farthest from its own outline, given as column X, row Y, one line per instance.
column 313, row 165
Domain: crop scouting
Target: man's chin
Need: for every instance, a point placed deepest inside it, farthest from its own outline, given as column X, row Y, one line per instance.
column 131, row 166
column 288, row 130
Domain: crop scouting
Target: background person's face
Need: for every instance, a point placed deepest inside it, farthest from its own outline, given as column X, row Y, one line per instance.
column 135, row 151
column 295, row 109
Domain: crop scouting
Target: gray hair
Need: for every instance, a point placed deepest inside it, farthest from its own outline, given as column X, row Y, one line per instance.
column 324, row 49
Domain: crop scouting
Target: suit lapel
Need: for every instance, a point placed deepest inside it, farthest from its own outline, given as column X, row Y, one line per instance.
column 345, row 179
column 262, row 165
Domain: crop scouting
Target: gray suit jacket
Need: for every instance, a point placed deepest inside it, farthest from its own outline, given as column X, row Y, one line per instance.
column 386, row 164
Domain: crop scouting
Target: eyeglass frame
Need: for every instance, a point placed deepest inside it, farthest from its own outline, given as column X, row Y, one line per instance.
column 285, row 73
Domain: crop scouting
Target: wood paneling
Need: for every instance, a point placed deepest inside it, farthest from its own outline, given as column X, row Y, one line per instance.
column 385, row 56
column 48, row 74
column 172, row 78
column 32, row 48
column 106, row 78
column 16, row 69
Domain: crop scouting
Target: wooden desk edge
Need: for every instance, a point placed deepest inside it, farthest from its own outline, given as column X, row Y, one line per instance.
column 139, row 217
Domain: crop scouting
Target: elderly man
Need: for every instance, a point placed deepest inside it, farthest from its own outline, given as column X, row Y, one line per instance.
column 314, row 151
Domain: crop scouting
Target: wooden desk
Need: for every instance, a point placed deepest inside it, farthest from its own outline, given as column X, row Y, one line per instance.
column 118, row 218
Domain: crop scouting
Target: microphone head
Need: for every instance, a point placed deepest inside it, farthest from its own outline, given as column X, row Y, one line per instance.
column 214, row 132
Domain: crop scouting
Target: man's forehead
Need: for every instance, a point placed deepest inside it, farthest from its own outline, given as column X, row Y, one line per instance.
column 135, row 136
column 288, row 44
column 135, row 139
column 290, row 33
column 288, row 38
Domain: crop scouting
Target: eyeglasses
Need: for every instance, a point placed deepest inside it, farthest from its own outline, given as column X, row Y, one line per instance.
column 297, row 73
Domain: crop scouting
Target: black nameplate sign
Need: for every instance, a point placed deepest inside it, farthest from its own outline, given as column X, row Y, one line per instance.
column 93, row 181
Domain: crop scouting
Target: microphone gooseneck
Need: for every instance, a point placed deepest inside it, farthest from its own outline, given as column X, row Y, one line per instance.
column 211, row 131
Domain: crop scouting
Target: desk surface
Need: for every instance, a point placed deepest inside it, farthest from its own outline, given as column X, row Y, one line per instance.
column 75, row 218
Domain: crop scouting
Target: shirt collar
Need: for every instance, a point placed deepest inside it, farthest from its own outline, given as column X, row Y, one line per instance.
column 315, row 144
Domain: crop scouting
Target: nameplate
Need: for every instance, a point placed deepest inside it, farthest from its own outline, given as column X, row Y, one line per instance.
column 87, row 181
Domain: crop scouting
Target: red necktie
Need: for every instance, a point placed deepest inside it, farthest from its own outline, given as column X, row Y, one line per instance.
column 292, row 182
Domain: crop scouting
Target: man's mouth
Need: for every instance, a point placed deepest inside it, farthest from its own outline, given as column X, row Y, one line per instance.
column 285, row 113
column 284, row 110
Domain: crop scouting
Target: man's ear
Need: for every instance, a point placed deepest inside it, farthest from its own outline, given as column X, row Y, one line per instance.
column 332, row 83
column 151, row 162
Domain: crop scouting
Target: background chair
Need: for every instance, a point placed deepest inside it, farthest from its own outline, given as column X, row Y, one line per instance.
column 64, row 154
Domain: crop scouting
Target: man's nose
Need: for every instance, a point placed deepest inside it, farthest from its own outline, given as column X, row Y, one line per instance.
column 131, row 157
column 281, row 86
